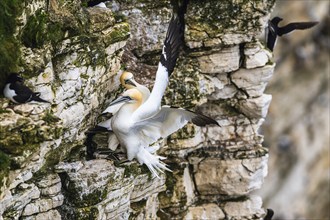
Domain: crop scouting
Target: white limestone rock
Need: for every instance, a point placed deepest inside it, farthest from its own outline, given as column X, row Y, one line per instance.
column 255, row 107
column 256, row 55
column 49, row 215
column 224, row 61
column 19, row 200
column 88, row 178
column 49, row 180
column 248, row 209
column 204, row 212
column 57, row 200
column 51, row 190
column 43, row 205
column 233, row 38
column 189, row 186
column 253, row 81
column 144, row 187
column 40, row 205
column 223, row 88
column 117, row 204
column 147, row 30
column 100, row 18
column 230, row 177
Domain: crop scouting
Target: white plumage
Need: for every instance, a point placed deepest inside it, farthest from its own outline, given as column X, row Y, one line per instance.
column 135, row 136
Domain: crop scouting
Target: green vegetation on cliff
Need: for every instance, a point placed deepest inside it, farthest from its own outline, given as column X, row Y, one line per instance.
column 9, row 52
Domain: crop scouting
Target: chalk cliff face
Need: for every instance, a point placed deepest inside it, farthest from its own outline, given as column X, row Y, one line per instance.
column 297, row 126
column 73, row 54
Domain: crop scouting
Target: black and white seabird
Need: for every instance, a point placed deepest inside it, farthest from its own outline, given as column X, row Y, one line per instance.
column 274, row 30
column 96, row 3
column 17, row 92
column 269, row 214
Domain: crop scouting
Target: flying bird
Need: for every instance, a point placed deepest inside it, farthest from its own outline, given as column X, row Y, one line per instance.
column 135, row 136
column 173, row 41
column 17, row 92
column 274, row 30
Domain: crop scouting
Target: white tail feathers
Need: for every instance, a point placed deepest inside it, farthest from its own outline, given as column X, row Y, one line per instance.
column 152, row 162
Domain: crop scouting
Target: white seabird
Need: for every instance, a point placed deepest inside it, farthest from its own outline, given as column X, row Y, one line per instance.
column 127, row 81
column 136, row 136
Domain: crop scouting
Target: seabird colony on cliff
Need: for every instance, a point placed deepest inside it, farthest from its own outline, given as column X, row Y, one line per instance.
column 140, row 120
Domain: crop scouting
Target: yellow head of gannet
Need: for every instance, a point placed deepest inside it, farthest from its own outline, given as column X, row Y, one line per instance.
column 132, row 96
column 127, row 80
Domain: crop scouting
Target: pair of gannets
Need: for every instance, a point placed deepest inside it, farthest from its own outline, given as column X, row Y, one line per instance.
column 139, row 119
column 135, row 134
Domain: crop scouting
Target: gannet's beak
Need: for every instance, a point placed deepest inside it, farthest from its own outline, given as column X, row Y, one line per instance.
column 120, row 100
column 131, row 82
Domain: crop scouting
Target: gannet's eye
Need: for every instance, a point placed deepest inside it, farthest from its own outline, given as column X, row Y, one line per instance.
column 129, row 82
column 128, row 98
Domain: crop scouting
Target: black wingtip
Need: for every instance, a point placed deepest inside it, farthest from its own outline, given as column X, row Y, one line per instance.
column 97, row 129
column 36, row 97
column 174, row 37
column 202, row 120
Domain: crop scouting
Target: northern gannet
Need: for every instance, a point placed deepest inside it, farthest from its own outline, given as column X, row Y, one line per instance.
column 274, row 30
column 152, row 101
column 135, row 136
column 128, row 82
column 17, row 92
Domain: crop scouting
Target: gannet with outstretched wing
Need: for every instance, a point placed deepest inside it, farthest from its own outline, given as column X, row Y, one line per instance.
column 136, row 136
column 170, row 52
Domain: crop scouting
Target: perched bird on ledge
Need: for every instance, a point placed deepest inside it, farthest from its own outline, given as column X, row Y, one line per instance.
column 135, row 136
column 274, row 30
column 17, row 92
column 127, row 81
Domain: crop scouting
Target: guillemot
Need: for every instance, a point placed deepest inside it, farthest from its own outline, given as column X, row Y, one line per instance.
column 17, row 92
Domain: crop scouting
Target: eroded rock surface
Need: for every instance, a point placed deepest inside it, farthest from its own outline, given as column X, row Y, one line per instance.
column 222, row 73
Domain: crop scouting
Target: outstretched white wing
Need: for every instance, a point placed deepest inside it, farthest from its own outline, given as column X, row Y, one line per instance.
column 170, row 53
column 167, row 121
